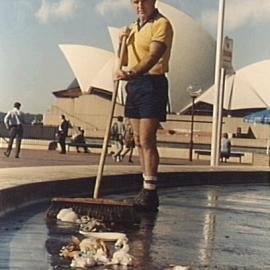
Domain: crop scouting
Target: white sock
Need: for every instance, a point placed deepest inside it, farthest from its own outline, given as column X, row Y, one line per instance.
column 150, row 182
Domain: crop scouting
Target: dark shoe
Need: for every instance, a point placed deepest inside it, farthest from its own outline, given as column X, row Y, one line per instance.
column 6, row 154
column 147, row 200
column 130, row 161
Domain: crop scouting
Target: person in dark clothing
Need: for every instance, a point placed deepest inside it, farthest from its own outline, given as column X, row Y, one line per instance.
column 62, row 133
column 78, row 137
column 14, row 121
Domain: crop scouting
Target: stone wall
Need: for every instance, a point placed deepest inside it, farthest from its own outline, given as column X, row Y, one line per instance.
column 91, row 113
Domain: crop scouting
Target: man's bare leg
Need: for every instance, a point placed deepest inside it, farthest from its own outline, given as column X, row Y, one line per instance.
column 145, row 135
column 135, row 123
column 148, row 142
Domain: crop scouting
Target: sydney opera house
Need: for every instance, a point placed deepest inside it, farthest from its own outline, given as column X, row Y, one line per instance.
column 245, row 91
column 86, row 100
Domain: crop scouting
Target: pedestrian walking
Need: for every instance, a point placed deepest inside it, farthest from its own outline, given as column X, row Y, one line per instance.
column 14, row 121
column 148, row 47
column 129, row 142
column 117, row 135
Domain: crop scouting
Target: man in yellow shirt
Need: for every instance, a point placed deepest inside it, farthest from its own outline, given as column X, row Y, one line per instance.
column 148, row 47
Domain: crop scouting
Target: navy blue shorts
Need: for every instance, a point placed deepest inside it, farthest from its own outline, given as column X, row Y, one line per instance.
column 147, row 98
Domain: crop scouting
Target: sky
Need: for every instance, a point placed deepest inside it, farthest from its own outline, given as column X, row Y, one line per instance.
column 32, row 65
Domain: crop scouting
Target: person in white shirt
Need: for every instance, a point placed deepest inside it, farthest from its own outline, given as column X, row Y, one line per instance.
column 14, row 121
column 225, row 147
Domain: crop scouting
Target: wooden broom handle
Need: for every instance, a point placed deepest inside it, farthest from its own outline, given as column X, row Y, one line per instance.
column 109, row 124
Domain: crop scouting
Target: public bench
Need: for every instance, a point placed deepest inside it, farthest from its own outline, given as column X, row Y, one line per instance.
column 208, row 153
column 88, row 145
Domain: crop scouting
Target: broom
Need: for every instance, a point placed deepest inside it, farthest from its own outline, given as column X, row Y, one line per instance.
column 106, row 210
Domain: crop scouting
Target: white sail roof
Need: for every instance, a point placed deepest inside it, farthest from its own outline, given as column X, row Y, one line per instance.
column 247, row 88
column 87, row 63
column 192, row 57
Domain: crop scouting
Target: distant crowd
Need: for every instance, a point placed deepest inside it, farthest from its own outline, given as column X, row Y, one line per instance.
column 122, row 139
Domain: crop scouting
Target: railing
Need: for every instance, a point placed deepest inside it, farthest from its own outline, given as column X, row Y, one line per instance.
column 33, row 132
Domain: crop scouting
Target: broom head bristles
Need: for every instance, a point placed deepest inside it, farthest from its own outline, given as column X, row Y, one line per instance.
column 102, row 209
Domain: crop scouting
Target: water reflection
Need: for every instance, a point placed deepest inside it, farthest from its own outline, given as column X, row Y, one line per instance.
column 198, row 226
column 209, row 229
column 140, row 241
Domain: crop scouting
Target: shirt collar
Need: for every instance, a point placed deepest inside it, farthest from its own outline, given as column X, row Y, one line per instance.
column 154, row 14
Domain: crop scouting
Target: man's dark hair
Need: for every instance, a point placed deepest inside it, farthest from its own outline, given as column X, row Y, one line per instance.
column 120, row 118
column 17, row 105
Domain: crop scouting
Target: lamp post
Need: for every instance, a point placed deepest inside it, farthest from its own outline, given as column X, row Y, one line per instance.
column 193, row 93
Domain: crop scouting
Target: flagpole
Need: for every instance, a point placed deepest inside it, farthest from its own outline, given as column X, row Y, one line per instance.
column 216, row 104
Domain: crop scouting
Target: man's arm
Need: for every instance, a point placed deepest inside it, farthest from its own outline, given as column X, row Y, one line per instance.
column 156, row 51
column 229, row 146
column 6, row 120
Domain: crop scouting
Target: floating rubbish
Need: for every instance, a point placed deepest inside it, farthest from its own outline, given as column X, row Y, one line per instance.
column 105, row 236
column 67, row 215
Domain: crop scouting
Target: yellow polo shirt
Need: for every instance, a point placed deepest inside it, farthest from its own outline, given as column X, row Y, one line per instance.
column 156, row 29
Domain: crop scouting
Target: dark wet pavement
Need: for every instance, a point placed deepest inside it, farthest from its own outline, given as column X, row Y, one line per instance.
column 206, row 227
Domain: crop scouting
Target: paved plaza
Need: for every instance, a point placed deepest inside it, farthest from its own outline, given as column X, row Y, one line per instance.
column 33, row 158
